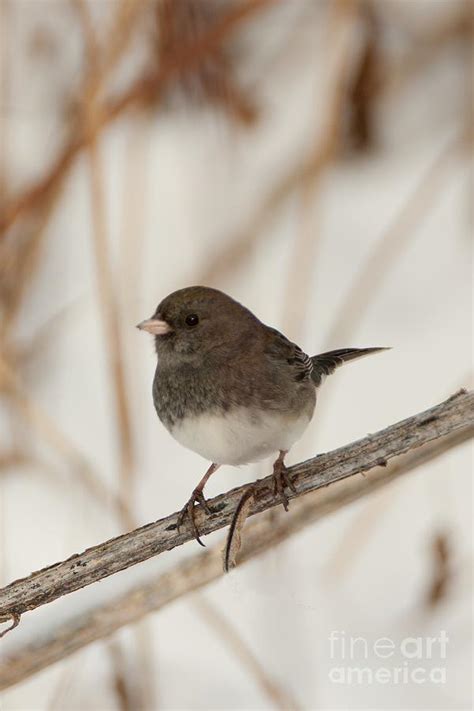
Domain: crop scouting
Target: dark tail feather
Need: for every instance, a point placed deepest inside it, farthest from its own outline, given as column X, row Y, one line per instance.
column 326, row 363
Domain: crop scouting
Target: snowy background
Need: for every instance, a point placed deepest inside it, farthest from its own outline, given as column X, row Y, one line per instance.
column 372, row 249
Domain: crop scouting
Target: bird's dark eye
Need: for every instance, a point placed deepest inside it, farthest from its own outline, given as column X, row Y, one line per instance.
column 192, row 320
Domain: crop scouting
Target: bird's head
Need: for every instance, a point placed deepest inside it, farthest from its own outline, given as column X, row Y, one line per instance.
column 198, row 321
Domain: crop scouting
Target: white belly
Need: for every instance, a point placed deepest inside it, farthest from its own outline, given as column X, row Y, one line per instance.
column 239, row 436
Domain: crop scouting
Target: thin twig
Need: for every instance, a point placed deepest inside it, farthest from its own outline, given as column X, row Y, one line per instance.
column 240, row 245
column 442, row 574
column 234, row 536
column 19, row 263
column 391, row 246
column 15, row 621
column 339, row 47
column 426, row 46
column 105, row 284
column 4, row 96
column 41, row 424
column 453, row 415
column 110, row 317
column 222, row 626
column 144, row 89
column 108, row 304
column 62, row 691
column 125, row 692
column 263, row 533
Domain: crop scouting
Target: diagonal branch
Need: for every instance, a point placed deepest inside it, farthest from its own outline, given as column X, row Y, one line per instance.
column 453, row 415
column 63, row 639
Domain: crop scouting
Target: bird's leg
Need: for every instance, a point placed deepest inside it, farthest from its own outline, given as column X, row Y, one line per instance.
column 196, row 497
column 281, row 479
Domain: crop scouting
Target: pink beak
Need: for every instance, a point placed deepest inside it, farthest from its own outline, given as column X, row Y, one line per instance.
column 155, row 326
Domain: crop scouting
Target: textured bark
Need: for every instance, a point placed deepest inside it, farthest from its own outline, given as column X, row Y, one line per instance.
column 454, row 417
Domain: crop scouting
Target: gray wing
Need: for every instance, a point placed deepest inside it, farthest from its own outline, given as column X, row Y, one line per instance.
column 281, row 348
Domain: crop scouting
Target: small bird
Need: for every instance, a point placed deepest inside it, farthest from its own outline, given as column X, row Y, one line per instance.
column 231, row 388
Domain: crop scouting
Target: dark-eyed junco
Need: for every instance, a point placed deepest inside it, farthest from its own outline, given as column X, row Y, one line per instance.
column 231, row 388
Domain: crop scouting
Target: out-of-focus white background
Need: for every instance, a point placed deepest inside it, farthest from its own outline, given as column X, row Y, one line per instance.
column 202, row 181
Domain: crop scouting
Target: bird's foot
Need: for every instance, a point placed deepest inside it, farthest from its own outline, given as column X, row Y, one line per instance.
column 197, row 497
column 282, row 480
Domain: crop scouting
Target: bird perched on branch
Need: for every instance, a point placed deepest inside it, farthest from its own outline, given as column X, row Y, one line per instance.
column 231, row 388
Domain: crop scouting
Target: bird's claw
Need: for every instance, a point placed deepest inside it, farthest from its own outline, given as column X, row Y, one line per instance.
column 282, row 480
column 189, row 510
